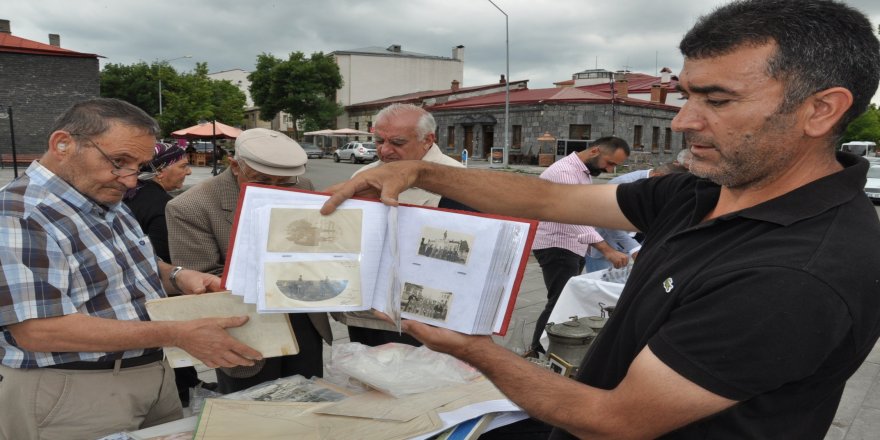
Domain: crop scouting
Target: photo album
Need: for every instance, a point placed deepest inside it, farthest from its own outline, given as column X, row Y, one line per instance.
column 452, row 269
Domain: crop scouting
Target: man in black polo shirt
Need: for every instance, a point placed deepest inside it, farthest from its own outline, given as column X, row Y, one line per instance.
column 755, row 295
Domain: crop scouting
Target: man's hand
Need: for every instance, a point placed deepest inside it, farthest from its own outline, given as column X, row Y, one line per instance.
column 207, row 340
column 385, row 182
column 617, row 259
column 445, row 340
column 192, row 282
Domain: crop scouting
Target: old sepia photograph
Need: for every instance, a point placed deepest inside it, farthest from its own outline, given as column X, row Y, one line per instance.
column 306, row 230
column 312, row 284
column 425, row 301
column 446, row 245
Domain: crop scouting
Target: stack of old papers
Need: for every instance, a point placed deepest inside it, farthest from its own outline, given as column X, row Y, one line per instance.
column 371, row 415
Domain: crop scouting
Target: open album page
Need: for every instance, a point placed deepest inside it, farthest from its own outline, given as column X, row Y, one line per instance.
column 444, row 258
column 287, row 257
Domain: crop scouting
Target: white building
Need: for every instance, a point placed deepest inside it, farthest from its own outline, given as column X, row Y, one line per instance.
column 239, row 78
column 373, row 73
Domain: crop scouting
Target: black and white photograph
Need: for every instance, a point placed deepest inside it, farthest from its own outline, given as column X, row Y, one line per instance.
column 306, row 230
column 446, row 245
column 425, row 301
column 306, row 284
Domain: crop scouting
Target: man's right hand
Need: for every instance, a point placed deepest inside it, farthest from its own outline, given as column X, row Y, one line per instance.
column 617, row 259
column 385, row 182
column 207, row 340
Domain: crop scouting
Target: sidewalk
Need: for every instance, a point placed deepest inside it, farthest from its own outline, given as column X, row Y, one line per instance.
column 858, row 416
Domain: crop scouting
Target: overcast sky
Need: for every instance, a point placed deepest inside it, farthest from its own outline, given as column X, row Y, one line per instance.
column 549, row 39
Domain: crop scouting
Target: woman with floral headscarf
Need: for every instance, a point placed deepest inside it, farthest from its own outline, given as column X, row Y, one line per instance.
column 166, row 172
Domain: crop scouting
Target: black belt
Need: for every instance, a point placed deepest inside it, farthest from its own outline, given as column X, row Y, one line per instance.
column 109, row 365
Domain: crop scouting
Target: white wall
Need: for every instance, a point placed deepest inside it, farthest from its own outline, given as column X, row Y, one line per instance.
column 367, row 78
column 239, row 79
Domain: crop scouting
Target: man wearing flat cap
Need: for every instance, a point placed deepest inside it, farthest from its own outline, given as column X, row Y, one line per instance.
column 199, row 226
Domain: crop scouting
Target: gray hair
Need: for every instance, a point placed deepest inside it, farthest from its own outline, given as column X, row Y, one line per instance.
column 94, row 117
column 426, row 122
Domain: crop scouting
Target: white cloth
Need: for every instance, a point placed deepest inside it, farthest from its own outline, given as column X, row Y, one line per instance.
column 581, row 296
column 416, row 196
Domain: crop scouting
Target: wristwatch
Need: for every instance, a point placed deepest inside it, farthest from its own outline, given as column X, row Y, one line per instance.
column 173, row 278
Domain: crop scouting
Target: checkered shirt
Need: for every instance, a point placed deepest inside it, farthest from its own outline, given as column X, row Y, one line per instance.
column 63, row 253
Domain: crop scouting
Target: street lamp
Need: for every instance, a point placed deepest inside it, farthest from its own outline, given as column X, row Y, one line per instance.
column 506, row 87
column 8, row 114
column 160, row 77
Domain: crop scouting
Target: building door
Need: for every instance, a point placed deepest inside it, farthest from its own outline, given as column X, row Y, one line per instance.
column 469, row 140
column 488, row 140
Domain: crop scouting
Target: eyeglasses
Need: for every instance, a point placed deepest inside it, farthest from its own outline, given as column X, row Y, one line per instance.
column 118, row 170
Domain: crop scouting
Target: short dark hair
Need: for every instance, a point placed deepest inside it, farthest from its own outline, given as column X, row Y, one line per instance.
column 820, row 44
column 93, row 117
column 611, row 144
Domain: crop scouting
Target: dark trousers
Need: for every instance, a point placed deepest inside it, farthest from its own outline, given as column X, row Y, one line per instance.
column 308, row 363
column 557, row 265
column 373, row 337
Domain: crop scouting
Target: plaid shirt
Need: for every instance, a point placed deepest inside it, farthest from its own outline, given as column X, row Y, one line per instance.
column 62, row 253
column 576, row 238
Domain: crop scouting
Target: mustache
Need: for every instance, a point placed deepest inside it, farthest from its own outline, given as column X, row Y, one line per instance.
column 693, row 138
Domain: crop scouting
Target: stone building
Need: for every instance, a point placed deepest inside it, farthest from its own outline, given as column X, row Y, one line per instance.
column 569, row 114
column 39, row 81
column 360, row 116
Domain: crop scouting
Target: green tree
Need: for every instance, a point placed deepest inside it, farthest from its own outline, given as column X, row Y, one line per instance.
column 864, row 128
column 186, row 98
column 136, row 84
column 303, row 87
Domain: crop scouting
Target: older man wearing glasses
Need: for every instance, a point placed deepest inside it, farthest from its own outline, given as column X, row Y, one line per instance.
column 79, row 357
column 199, row 226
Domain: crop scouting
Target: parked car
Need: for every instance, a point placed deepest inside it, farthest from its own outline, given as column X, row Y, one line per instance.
column 356, row 152
column 312, row 152
column 872, row 185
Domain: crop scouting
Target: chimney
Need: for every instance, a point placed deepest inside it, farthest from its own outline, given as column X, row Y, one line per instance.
column 656, row 92
column 5, row 27
column 622, row 88
column 503, row 80
column 455, row 85
column 458, row 53
column 665, row 75
column 394, row 48
column 55, row 40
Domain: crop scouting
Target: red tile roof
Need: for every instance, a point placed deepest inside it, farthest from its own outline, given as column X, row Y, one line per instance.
column 11, row 44
column 599, row 93
column 426, row 94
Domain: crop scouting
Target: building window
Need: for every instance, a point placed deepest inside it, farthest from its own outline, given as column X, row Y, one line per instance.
column 516, row 142
column 667, row 142
column 579, row 131
column 370, row 129
column 450, row 137
column 637, row 137
column 655, row 139
column 357, row 126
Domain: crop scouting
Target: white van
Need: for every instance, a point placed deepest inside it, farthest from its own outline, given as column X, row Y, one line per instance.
column 860, row 148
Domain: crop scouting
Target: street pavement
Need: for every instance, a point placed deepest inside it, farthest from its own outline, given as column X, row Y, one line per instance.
column 857, row 418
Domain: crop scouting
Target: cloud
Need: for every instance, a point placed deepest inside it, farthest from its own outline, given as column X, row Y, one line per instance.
column 549, row 40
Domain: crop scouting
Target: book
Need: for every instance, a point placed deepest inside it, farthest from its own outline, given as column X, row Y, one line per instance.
column 452, row 269
column 271, row 335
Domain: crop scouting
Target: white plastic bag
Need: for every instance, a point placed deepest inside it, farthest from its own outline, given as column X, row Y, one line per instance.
column 398, row 369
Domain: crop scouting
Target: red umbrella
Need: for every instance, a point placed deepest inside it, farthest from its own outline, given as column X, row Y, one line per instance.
column 208, row 130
